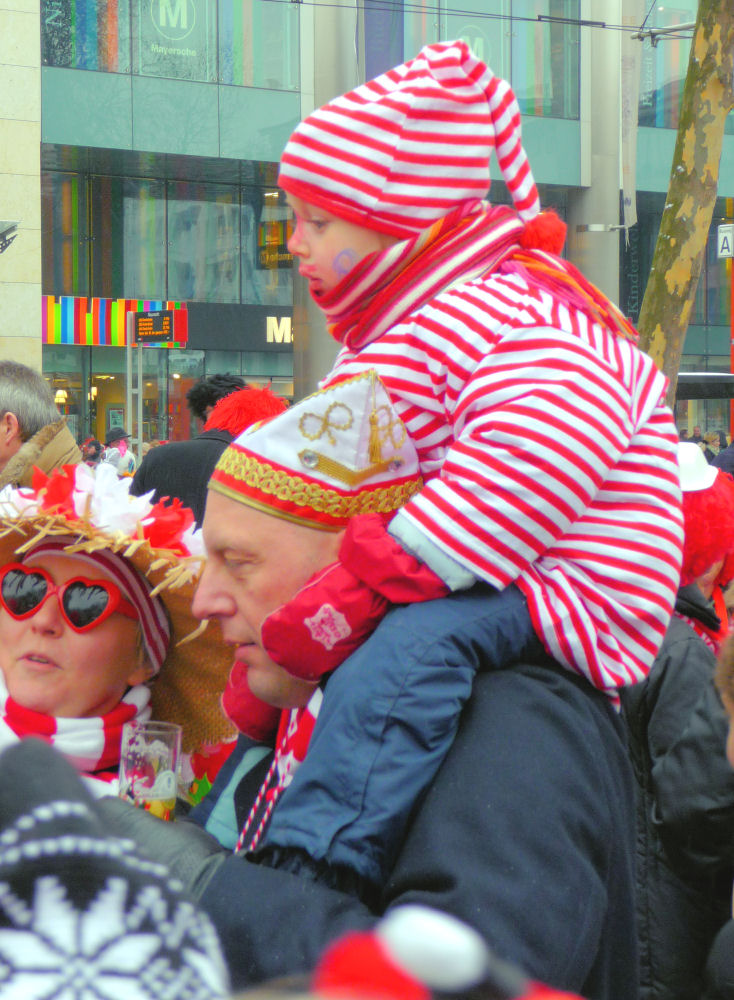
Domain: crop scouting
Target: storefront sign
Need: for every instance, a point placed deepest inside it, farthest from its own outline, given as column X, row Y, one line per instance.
column 176, row 39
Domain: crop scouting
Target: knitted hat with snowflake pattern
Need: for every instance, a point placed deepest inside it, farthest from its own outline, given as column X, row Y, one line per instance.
column 81, row 914
column 403, row 150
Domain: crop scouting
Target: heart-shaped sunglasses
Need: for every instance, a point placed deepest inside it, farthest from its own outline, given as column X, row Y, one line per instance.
column 83, row 603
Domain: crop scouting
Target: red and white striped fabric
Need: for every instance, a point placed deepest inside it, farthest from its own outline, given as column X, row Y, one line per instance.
column 92, row 745
column 549, row 459
column 403, row 150
column 291, row 745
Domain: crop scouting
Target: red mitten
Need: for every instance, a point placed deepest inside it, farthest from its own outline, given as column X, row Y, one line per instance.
column 253, row 717
column 342, row 605
column 323, row 623
column 380, row 561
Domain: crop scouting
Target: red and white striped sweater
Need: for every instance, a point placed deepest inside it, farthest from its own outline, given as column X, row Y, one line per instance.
column 549, row 459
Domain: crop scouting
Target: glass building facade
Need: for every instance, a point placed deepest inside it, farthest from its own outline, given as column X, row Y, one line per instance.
column 169, row 195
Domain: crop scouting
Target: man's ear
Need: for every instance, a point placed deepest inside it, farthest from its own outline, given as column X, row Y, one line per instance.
column 9, row 428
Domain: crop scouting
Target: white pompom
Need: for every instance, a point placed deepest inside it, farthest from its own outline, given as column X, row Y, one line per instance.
column 436, row 948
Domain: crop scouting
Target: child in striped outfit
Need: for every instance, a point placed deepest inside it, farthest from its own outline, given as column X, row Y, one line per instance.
column 548, row 453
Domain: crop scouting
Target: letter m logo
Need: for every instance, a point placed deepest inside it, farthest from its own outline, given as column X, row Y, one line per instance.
column 173, row 14
column 279, row 331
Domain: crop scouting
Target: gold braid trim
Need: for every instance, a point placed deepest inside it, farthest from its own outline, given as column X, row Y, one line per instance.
column 255, row 474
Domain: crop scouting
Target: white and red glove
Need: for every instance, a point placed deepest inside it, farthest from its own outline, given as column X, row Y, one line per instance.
column 340, row 606
column 253, row 717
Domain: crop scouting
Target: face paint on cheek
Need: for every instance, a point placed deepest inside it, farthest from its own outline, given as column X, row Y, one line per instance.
column 344, row 262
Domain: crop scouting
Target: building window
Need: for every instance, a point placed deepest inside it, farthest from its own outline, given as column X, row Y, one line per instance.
column 204, row 242
column 539, row 57
column 250, row 43
column 664, row 67
column 146, row 238
column 65, row 236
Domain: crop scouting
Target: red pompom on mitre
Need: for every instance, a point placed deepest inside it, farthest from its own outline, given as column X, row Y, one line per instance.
column 358, row 965
column 546, row 231
column 708, row 518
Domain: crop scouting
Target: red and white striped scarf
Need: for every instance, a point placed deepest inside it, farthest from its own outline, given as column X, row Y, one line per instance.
column 475, row 239
column 387, row 287
column 92, row 745
column 291, row 744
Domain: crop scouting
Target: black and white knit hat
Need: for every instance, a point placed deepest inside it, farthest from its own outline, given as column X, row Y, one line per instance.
column 81, row 915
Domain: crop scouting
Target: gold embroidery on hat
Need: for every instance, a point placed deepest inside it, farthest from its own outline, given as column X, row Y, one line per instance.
column 285, row 487
column 325, row 424
column 386, row 428
column 383, row 431
column 316, row 462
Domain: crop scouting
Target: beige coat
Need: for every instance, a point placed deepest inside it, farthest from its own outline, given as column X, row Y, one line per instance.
column 48, row 449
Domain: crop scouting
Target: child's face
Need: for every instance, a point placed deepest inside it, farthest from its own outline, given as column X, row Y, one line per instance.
column 329, row 247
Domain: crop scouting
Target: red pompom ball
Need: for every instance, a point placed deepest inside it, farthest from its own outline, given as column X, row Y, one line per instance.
column 546, row 231
column 358, row 965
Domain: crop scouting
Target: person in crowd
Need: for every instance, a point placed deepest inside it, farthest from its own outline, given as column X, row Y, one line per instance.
column 711, row 445
column 677, row 725
column 182, row 468
column 555, row 810
column 205, row 393
column 95, row 595
column 92, row 451
column 32, row 431
column 697, row 436
column 683, row 434
column 81, row 915
column 719, row 971
column 118, row 453
column 725, row 459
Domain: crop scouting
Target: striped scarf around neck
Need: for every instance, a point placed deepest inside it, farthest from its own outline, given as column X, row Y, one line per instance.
column 91, row 744
column 474, row 240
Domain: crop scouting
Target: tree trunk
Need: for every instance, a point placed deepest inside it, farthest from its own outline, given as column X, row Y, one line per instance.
column 708, row 97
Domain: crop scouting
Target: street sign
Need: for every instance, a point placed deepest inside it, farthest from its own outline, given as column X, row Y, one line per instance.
column 725, row 241
column 153, row 327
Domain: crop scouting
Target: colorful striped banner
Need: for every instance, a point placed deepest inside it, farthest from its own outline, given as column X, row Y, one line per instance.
column 85, row 322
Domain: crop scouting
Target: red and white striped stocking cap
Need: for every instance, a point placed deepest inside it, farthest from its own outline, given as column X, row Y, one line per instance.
column 401, row 151
column 152, row 615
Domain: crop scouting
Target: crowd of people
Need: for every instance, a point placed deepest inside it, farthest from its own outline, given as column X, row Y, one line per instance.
column 451, row 632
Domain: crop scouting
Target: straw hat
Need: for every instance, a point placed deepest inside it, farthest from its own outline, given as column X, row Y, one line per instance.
column 90, row 512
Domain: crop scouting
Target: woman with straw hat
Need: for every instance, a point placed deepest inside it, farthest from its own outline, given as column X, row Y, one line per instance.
column 95, row 601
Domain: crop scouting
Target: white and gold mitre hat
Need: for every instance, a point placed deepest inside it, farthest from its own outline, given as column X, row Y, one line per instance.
column 340, row 452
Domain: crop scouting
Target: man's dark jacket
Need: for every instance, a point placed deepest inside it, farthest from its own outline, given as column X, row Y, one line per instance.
column 182, row 469
column 526, row 833
column 725, row 459
column 685, row 810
